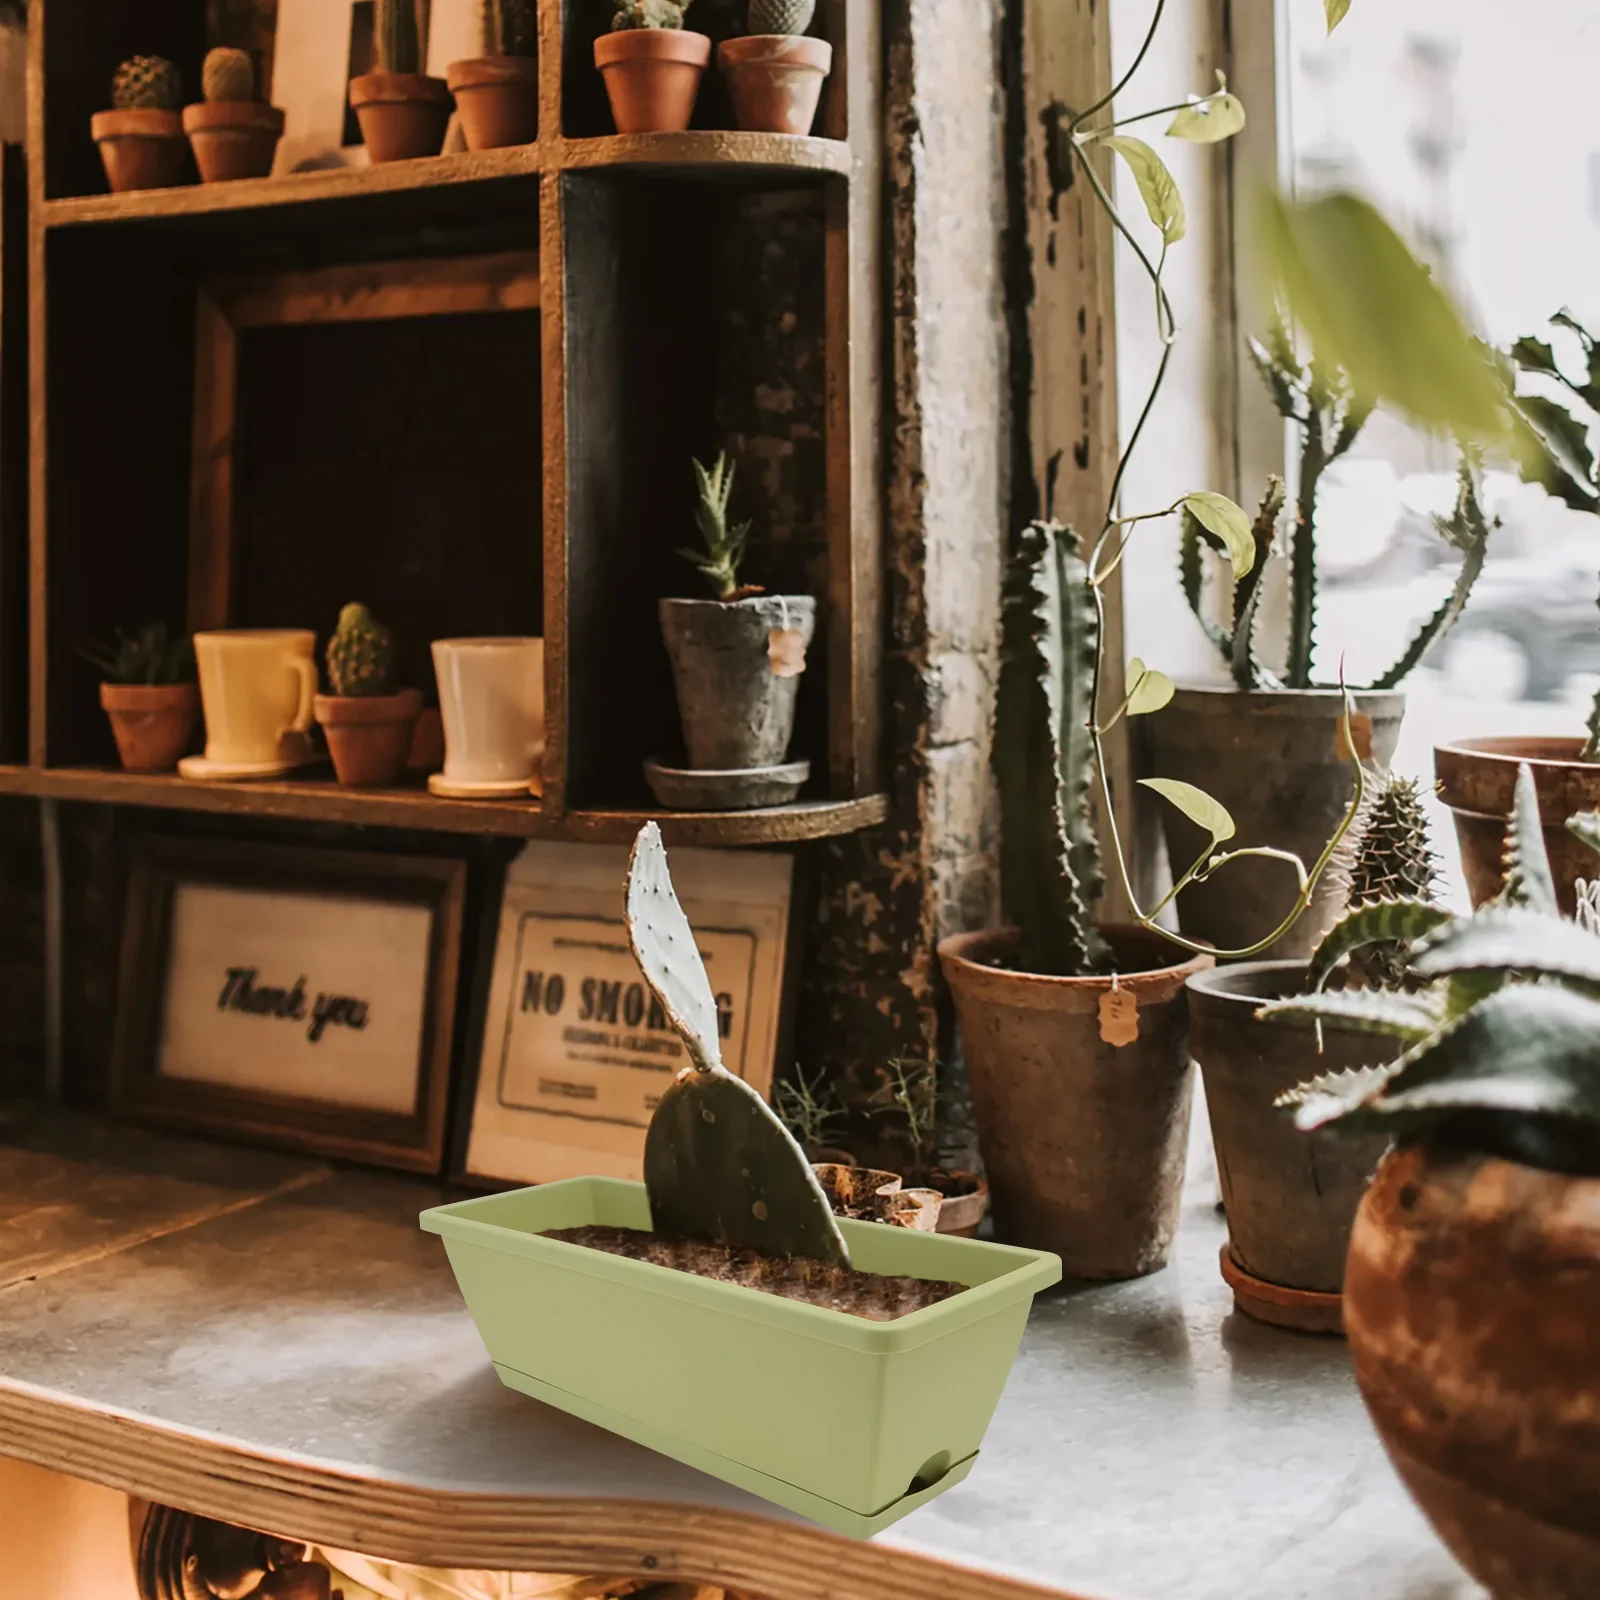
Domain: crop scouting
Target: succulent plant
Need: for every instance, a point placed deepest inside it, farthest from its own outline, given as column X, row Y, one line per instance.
column 649, row 14
column 398, row 37
column 781, row 16
column 148, row 655
column 719, row 562
column 228, row 76
column 360, row 655
column 719, row 1166
column 147, row 83
column 510, row 27
column 1050, row 869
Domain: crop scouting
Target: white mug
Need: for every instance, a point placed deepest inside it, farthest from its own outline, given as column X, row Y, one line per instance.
column 491, row 701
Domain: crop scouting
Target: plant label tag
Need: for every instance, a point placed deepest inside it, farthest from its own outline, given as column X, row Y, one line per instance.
column 786, row 652
column 1360, row 738
column 1119, row 1017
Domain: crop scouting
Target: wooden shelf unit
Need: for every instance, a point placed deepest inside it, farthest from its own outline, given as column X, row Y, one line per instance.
column 653, row 318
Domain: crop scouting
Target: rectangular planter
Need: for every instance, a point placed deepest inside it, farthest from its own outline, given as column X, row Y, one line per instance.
column 849, row 1422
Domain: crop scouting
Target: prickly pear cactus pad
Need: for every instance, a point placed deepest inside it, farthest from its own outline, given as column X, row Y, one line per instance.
column 718, row 1164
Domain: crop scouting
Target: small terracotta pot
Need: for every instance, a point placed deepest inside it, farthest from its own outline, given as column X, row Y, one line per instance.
column 965, row 1201
column 1084, row 1141
column 153, row 723
column 1478, row 781
column 775, row 80
column 403, row 115
column 1472, row 1306
column 369, row 736
column 652, row 76
column 427, row 742
column 498, row 100
column 141, row 149
column 233, row 138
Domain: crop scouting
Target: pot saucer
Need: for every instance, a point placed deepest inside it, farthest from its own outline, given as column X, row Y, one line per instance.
column 200, row 769
column 1305, row 1310
column 739, row 789
column 461, row 789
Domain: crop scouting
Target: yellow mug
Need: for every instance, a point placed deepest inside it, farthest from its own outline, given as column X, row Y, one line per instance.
column 257, row 686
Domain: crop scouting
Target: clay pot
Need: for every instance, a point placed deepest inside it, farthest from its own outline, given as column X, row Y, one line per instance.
column 369, row 736
column 1472, row 1305
column 652, row 76
column 1084, row 1142
column 868, row 1195
column 1478, row 781
column 497, row 98
column 775, row 80
column 233, row 138
column 736, row 712
column 1274, row 759
column 152, row 723
column 965, row 1201
column 403, row 115
column 141, row 149
column 1291, row 1197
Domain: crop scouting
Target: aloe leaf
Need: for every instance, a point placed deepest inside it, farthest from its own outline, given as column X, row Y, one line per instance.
column 1331, row 1095
column 1397, row 1016
column 1512, row 939
column 1586, row 827
column 1380, row 922
column 1528, row 882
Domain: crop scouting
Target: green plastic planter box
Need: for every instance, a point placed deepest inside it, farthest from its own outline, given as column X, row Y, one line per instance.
column 849, row 1422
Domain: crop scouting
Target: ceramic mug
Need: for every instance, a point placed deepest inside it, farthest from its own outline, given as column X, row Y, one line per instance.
column 256, row 687
column 491, row 700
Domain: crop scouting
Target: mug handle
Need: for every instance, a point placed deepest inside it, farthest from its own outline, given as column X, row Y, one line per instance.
column 306, row 671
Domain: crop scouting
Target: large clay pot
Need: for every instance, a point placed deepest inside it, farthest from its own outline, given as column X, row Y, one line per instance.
column 1084, row 1141
column 152, row 723
column 1472, row 1305
column 403, row 115
column 775, row 80
column 497, row 98
column 141, row 149
column 1276, row 761
column 233, row 138
column 1291, row 1197
column 652, row 76
column 1478, row 781
column 369, row 736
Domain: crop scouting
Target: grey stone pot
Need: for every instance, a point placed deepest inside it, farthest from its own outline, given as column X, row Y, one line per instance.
column 1272, row 758
column 1291, row 1197
column 735, row 711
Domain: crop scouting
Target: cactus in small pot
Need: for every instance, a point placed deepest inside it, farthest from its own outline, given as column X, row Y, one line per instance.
column 776, row 71
column 149, row 695
column 403, row 112
column 141, row 137
column 367, row 721
column 228, row 77
column 147, row 83
column 780, row 16
column 652, row 65
column 497, row 93
column 234, row 135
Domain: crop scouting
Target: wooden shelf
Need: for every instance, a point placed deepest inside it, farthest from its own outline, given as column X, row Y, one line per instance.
column 314, row 800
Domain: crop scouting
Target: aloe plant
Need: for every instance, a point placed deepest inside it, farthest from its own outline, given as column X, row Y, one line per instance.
column 725, row 543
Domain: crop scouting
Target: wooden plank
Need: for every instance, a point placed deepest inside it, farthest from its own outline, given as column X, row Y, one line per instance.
column 553, row 413
column 211, row 528
column 38, row 396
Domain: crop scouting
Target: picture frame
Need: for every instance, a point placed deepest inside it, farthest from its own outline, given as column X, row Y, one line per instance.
column 300, row 997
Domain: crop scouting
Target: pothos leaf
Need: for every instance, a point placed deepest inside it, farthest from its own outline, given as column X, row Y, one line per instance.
column 1196, row 805
column 1148, row 690
column 1336, row 10
column 1156, row 185
column 1208, row 121
column 1381, row 922
column 1218, row 515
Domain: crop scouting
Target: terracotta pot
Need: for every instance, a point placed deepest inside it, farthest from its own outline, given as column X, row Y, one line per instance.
column 141, row 149
column 403, row 115
column 427, row 742
column 652, row 76
column 498, row 100
column 233, row 138
column 1472, row 1304
column 369, row 736
column 1478, row 781
column 153, row 723
column 775, row 80
column 1274, row 760
column 965, row 1201
column 1291, row 1197
column 1084, row 1142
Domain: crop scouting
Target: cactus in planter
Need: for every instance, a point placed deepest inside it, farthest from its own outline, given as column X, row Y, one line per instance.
column 719, row 1166
column 398, row 38
column 228, row 76
column 780, row 16
column 510, row 27
column 149, row 655
column 147, row 83
column 360, row 655
column 649, row 14
column 719, row 562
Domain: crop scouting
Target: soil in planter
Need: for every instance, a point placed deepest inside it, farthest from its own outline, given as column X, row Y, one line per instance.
column 874, row 1297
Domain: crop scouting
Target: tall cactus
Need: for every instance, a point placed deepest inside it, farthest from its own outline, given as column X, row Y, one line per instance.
column 1050, row 868
column 718, row 1164
column 510, row 27
column 1390, row 860
column 399, row 41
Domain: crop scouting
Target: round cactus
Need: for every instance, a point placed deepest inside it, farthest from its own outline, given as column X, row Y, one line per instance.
column 781, row 16
column 360, row 655
column 649, row 14
column 228, row 77
column 147, row 83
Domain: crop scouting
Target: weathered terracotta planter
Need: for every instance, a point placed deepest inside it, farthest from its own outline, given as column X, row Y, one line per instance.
column 1472, row 1304
column 1291, row 1197
column 775, row 80
column 153, row 723
column 497, row 98
column 403, row 115
column 1478, row 781
column 369, row 736
column 1275, row 761
column 141, row 149
column 1084, row 1142
column 736, row 712
column 652, row 76
column 233, row 138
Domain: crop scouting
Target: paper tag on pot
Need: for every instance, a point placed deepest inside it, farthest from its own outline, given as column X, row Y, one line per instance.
column 1360, row 737
column 1119, row 1017
column 786, row 652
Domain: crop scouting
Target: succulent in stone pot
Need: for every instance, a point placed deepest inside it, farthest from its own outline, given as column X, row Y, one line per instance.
column 232, row 132
column 367, row 721
column 141, row 138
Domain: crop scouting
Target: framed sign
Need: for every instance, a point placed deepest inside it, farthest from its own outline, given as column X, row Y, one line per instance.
column 575, row 1054
column 295, row 997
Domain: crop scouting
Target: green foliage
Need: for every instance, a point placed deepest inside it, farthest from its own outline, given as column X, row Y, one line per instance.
column 724, row 549
column 360, row 655
column 719, row 1165
column 510, row 27
column 398, row 38
column 911, row 1092
column 1383, row 922
column 781, row 16
column 148, row 655
column 1528, row 880
column 1211, row 119
column 649, row 14
column 228, row 76
column 1157, row 188
column 1336, row 11
column 147, row 83
column 1050, row 869
column 810, row 1109
column 1389, row 860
